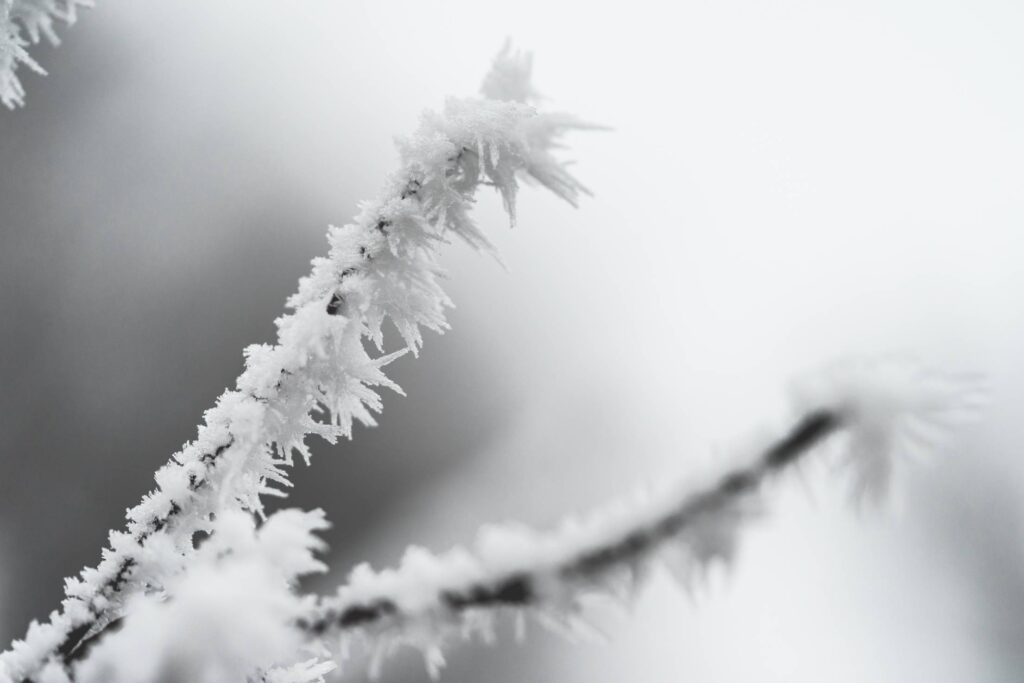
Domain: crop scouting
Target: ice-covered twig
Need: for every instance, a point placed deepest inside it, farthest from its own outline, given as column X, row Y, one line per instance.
column 227, row 615
column 878, row 411
column 319, row 377
column 23, row 22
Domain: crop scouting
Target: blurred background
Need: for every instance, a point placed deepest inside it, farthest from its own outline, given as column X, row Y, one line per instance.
column 786, row 182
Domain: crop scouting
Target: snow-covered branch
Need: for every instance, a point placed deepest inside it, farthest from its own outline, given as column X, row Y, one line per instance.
column 24, row 22
column 878, row 412
column 319, row 377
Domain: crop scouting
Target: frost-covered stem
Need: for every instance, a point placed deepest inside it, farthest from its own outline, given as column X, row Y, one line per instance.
column 533, row 586
column 878, row 411
column 319, row 377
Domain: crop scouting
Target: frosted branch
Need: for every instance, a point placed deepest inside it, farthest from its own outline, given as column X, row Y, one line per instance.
column 319, row 378
column 878, row 411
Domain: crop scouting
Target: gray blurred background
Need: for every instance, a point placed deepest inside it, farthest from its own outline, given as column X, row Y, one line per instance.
column 787, row 182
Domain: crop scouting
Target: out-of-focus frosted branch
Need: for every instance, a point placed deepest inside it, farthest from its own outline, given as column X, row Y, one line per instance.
column 319, row 377
column 879, row 412
column 23, row 22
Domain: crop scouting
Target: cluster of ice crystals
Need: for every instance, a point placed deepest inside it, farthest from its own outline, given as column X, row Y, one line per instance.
column 225, row 617
column 23, row 22
column 894, row 408
column 510, row 77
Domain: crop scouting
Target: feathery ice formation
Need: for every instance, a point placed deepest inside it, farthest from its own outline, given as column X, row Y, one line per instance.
column 24, row 22
column 319, row 378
